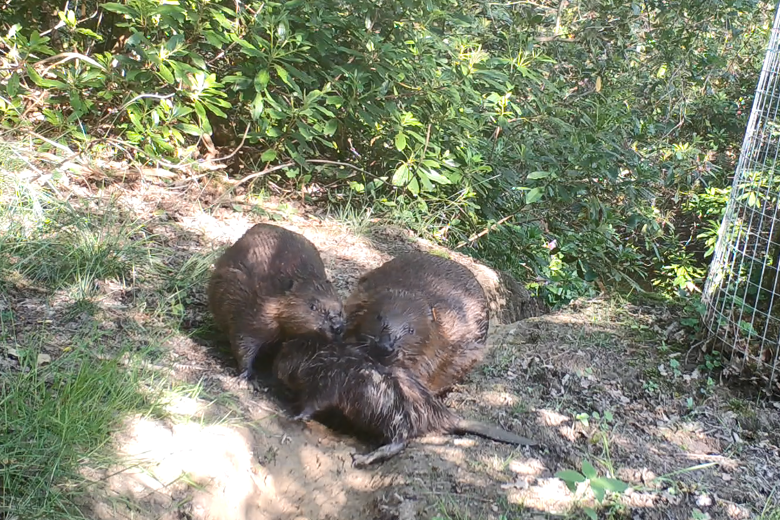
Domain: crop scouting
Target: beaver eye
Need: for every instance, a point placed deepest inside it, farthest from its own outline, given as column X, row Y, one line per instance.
column 378, row 317
column 411, row 331
column 313, row 307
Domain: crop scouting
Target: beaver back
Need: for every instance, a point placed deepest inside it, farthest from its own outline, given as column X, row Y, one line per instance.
column 424, row 313
column 270, row 285
column 387, row 402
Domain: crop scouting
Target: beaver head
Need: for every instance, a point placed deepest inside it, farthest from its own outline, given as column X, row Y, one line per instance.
column 315, row 311
column 391, row 322
column 294, row 353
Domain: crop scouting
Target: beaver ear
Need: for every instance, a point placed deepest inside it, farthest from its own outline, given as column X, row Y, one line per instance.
column 356, row 303
column 287, row 284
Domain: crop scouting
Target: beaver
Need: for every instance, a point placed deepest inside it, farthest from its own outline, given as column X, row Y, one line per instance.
column 385, row 401
column 424, row 313
column 267, row 287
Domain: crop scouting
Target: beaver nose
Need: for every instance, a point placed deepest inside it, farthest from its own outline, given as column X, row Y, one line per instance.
column 337, row 328
column 386, row 342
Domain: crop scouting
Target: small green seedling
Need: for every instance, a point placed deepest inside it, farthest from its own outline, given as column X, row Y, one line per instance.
column 599, row 485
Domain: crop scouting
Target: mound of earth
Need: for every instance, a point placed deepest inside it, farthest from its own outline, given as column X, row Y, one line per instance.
column 592, row 382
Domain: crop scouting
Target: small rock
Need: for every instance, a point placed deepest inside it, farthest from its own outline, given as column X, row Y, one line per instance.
column 703, row 500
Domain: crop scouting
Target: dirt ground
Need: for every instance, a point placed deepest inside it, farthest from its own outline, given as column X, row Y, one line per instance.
column 232, row 454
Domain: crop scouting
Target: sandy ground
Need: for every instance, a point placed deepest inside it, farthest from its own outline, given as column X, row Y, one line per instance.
column 231, row 453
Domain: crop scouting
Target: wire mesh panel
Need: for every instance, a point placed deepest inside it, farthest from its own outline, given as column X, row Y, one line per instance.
column 742, row 293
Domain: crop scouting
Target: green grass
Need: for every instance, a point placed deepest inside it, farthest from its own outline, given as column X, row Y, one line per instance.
column 72, row 248
column 58, row 417
column 772, row 513
column 356, row 219
column 180, row 280
column 771, row 510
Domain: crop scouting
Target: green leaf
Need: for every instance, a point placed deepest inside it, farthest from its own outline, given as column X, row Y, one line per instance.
column 91, row 34
column 215, row 39
column 425, row 181
column 45, row 83
column 588, row 275
column 304, row 129
column 120, row 9
column 173, row 43
column 166, row 74
column 539, row 175
column 533, row 195
column 250, row 49
column 13, row 85
column 591, row 513
column 202, row 118
column 414, row 186
column 588, row 470
column 402, row 175
column 174, row 11
column 214, row 109
column 571, row 478
column 256, row 108
column 268, row 155
column 187, row 128
column 312, row 97
column 283, row 74
column 400, row 141
column 598, row 490
column 261, row 80
column 611, row 484
column 135, row 118
column 331, row 127
column 437, row 177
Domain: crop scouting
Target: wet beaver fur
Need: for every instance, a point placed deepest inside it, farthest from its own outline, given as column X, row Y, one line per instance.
column 270, row 286
column 388, row 402
column 424, row 313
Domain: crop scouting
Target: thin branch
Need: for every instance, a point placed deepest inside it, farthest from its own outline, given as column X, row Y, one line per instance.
column 338, row 163
column 127, row 104
column 484, row 232
column 53, row 143
column 234, row 152
column 67, row 56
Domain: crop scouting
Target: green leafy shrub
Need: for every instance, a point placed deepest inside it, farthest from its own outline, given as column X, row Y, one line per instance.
column 596, row 134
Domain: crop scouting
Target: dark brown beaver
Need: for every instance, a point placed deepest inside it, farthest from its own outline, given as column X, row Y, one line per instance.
column 270, row 286
column 388, row 402
column 421, row 312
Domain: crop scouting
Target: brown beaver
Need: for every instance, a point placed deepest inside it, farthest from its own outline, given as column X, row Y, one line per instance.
column 424, row 313
column 270, row 286
column 388, row 402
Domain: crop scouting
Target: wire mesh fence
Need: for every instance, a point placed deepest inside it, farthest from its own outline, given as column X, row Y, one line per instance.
column 742, row 292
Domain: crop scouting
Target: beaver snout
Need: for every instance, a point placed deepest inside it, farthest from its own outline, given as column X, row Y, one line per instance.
column 337, row 325
column 386, row 342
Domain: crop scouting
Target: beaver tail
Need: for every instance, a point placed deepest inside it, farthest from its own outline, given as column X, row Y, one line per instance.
column 490, row 432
